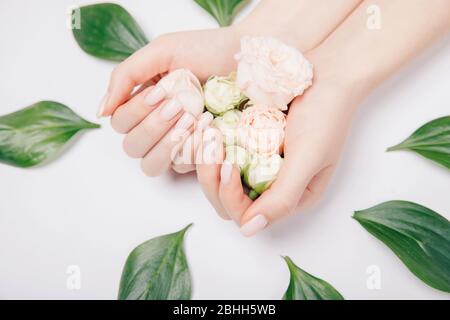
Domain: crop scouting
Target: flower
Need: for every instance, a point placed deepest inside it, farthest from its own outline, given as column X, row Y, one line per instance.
column 261, row 130
column 238, row 156
column 184, row 85
column 227, row 124
column 222, row 94
column 261, row 172
column 271, row 72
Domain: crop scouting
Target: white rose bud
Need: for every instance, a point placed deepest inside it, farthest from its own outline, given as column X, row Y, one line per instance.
column 261, row 172
column 222, row 94
column 227, row 124
column 238, row 156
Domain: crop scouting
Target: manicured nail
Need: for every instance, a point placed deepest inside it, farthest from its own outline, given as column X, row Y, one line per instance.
column 209, row 152
column 101, row 108
column 154, row 96
column 205, row 119
column 225, row 172
column 253, row 226
column 185, row 121
column 170, row 109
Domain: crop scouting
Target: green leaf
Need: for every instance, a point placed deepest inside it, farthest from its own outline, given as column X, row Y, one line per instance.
column 304, row 286
column 432, row 141
column 36, row 133
column 419, row 236
column 107, row 31
column 157, row 270
column 222, row 10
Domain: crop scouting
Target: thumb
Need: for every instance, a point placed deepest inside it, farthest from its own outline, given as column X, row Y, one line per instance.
column 140, row 67
column 282, row 197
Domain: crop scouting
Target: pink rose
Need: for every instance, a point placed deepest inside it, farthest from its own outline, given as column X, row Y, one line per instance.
column 261, row 130
column 184, row 85
column 272, row 73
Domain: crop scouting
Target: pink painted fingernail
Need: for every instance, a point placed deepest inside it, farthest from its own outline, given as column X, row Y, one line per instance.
column 185, row 121
column 170, row 109
column 205, row 119
column 102, row 105
column 255, row 225
column 225, row 172
column 154, row 96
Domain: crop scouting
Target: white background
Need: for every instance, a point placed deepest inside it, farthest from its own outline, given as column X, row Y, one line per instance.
column 92, row 206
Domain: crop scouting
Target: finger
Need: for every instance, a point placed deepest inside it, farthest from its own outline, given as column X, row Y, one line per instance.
column 231, row 192
column 131, row 113
column 143, row 65
column 144, row 136
column 208, row 159
column 159, row 158
column 184, row 160
column 282, row 197
column 316, row 188
column 183, row 168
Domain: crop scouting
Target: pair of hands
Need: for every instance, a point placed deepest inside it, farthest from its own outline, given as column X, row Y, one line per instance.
column 156, row 128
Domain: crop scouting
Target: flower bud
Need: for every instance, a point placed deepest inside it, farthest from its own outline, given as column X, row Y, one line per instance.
column 227, row 124
column 261, row 172
column 238, row 156
column 222, row 94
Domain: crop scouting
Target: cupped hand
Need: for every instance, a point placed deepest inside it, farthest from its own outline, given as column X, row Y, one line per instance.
column 317, row 125
column 157, row 127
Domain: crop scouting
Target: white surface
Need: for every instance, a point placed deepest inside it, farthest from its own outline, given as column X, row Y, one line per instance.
column 92, row 206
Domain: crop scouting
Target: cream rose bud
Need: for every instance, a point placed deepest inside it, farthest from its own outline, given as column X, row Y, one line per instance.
column 261, row 172
column 270, row 72
column 222, row 94
column 184, row 85
column 261, row 130
column 227, row 124
column 238, row 156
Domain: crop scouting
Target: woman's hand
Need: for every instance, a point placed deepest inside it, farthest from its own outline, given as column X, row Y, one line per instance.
column 317, row 125
column 156, row 127
column 318, row 122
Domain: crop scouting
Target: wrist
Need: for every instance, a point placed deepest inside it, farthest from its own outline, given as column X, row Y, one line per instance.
column 346, row 74
column 258, row 27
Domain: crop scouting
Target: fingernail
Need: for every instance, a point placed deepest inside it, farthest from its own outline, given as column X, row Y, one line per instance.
column 170, row 109
column 255, row 225
column 185, row 121
column 209, row 152
column 101, row 108
column 205, row 119
column 225, row 172
column 154, row 96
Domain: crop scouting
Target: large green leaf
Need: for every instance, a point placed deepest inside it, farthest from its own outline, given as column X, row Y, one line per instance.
column 38, row 132
column 107, row 31
column 157, row 270
column 419, row 236
column 432, row 141
column 304, row 286
column 222, row 10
